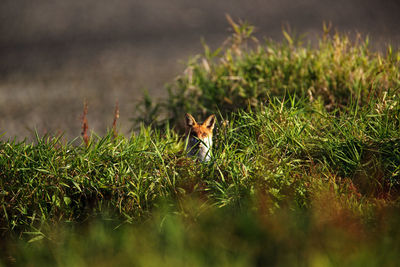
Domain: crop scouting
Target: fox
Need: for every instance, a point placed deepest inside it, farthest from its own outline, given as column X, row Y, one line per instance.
column 199, row 137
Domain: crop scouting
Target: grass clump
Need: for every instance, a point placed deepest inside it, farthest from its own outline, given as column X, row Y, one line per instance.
column 282, row 162
column 51, row 181
column 244, row 73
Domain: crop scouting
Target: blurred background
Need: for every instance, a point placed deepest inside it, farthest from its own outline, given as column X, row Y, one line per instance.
column 56, row 53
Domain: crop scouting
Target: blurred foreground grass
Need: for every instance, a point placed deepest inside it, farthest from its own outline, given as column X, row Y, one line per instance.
column 305, row 169
column 206, row 236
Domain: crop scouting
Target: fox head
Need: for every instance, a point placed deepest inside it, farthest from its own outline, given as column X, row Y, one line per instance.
column 199, row 137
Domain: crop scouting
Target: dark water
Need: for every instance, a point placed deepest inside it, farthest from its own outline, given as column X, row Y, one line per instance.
column 56, row 53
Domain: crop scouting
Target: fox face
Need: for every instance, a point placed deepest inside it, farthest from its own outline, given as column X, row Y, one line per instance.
column 199, row 137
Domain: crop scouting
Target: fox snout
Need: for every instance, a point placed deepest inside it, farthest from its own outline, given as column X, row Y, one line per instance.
column 199, row 137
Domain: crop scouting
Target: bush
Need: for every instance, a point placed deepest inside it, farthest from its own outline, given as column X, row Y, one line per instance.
column 245, row 73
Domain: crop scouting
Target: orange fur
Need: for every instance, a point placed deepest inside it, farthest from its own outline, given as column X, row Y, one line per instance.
column 199, row 137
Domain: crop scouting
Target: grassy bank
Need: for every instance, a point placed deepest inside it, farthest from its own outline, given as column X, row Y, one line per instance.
column 305, row 168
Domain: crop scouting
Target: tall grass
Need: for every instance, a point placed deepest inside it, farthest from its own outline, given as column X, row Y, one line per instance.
column 244, row 72
column 282, row 155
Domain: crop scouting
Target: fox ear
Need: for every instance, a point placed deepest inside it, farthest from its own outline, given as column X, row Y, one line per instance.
column 210, row 122
column 190, row 121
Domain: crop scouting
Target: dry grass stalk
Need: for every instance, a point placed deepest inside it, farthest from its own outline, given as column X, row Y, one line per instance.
column 85, row 124
column 116, row 116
